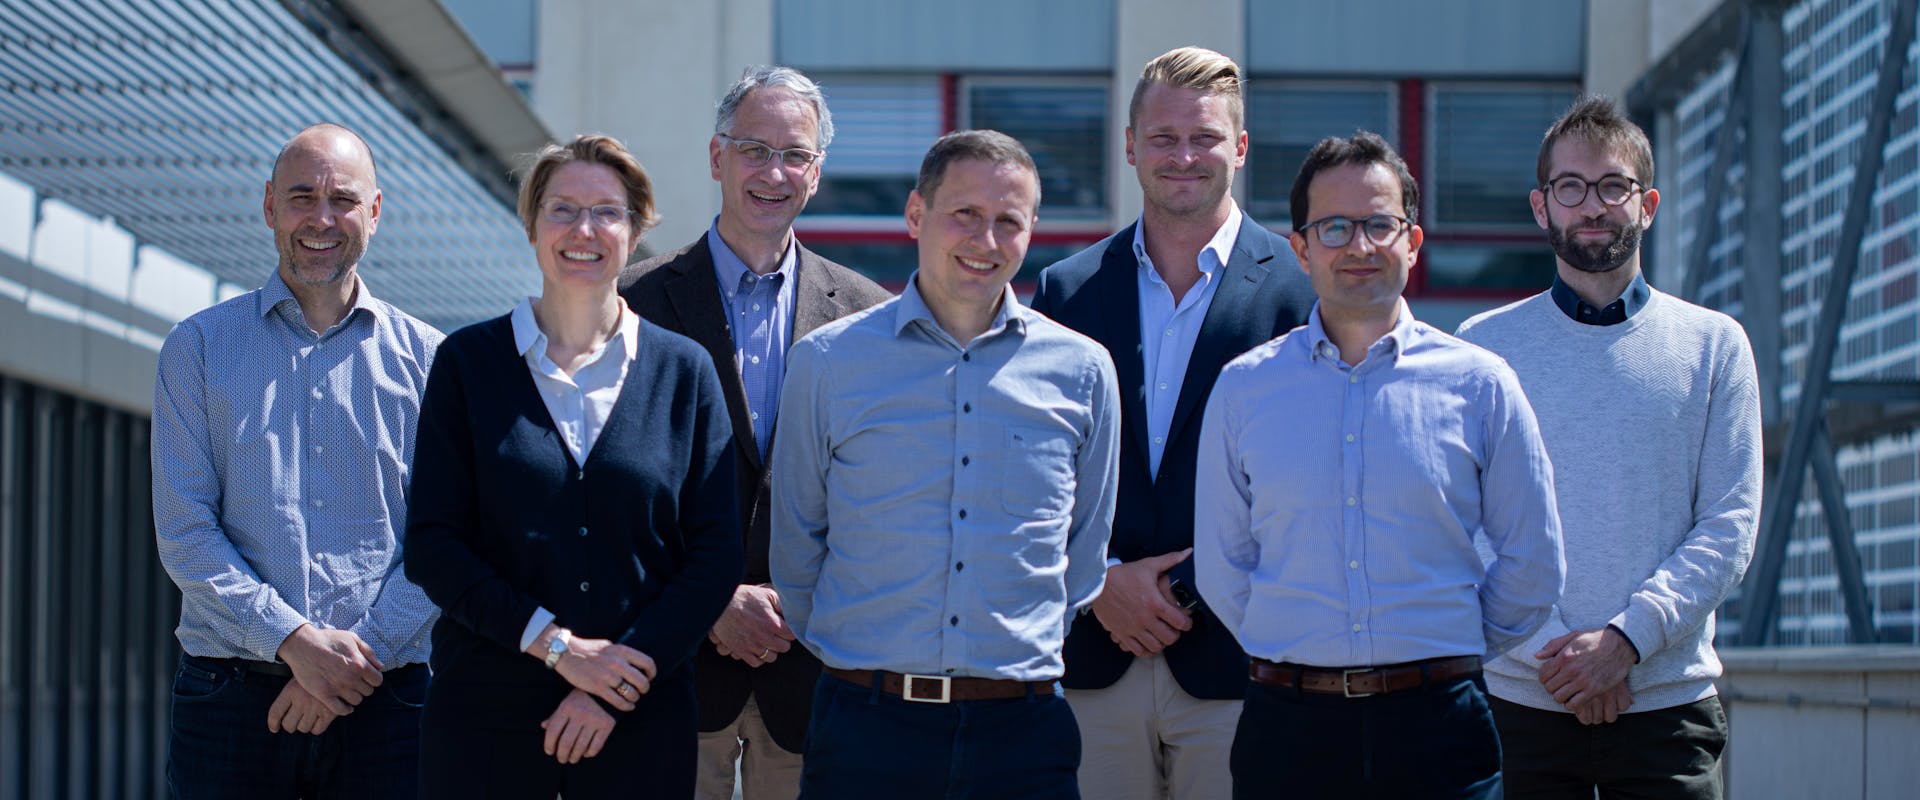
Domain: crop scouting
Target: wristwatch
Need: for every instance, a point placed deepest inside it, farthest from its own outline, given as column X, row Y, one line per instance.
column 557, row 647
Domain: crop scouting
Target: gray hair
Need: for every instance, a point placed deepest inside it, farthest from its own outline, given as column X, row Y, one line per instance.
column 788, row 78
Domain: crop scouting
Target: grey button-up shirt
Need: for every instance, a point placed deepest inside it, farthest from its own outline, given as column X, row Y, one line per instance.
column 280, row 468
column 941, row 507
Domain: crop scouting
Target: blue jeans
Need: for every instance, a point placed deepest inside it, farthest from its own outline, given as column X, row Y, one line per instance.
column 863, row 743
column 221, row 747
column 1432, row 742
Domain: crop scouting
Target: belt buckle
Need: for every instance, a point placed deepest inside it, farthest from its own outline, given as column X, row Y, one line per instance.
column 946, row 688
column 1346, row 683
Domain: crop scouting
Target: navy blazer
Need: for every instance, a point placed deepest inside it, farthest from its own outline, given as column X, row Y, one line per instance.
column 640, row 544
column 679, row 292
column 1262, row 294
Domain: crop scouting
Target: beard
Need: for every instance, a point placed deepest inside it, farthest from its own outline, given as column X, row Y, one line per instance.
column 1604, row 256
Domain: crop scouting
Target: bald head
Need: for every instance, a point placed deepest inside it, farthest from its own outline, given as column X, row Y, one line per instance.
column 334, row 141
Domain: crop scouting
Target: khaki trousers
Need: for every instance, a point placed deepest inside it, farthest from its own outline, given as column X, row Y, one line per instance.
column 1144, row 738
column 766, row 771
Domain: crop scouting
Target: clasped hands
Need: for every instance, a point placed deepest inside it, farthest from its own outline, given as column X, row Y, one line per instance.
column 596, row 668
column 753, row 629
column 1137, row 606
column 1586, row 671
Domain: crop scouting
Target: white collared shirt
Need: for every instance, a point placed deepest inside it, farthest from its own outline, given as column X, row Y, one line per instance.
column 1168, row 330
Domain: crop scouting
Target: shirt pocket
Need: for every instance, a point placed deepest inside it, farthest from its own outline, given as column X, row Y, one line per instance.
column 1037, row 479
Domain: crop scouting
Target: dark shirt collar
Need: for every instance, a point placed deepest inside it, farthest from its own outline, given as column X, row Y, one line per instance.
column 1614, row 313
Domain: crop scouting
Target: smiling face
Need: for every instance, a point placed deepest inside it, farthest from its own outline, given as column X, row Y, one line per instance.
column 582, row 254
column 760, row 202
column 1186, row 147
column 1593, row 236
column 1361, row 280
column 323, row 207
column 973, row 233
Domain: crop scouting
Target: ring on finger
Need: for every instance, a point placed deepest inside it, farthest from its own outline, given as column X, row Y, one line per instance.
column 623, row 688
column 764, row 652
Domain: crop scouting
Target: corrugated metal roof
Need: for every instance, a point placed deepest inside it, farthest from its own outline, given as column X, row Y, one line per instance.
column 166, row 116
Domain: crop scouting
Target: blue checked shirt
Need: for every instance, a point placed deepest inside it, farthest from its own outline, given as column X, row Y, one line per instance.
column 1336, row 506
column 940, row 508
column 760, row 315
column 280, row 467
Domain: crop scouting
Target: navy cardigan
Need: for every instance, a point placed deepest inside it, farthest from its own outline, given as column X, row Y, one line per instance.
column 641, row 544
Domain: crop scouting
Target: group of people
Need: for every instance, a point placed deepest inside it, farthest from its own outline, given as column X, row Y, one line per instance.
column 1215, row 516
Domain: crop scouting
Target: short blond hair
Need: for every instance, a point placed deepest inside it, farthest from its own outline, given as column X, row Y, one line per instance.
column 1193, row 68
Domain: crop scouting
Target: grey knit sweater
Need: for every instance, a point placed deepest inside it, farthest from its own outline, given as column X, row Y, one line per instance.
column 1653, row 427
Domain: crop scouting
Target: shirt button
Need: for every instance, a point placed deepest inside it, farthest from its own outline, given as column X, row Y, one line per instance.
column 755, row 359
column 583, row 587
column 1169, row 331
column 963, row 513
column 1159, row 440
column 317, row 394
column 966, row 408
column 953, row 620
column 966, row 356
column 1163, row 386
column 756, row 306
column 318, row 449
column 753, row 415
column 1353, row 379
column 1349, row 437
column 319, row 504
column 964, row 460
column 580, row 475
column 1356, row 627
column 959, row 566
column 1352, row 500
column 583, row 530
column 1350, row 564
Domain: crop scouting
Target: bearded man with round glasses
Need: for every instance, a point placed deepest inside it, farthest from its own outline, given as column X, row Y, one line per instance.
column 745, row 291
column 1650, row 410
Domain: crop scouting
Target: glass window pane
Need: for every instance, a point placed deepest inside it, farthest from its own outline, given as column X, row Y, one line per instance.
column 1462, row 265
column 882, row 127
column 1285, row 121
column 1065, row 128
column 1485, row 139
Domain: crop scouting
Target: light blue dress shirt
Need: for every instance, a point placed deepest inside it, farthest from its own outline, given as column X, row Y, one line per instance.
column 1168, row 329
column 1336, row 505
column 760, row 316
column 280, row 469
column 940, row 508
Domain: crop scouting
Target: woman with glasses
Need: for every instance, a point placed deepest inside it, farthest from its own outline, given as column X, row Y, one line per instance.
column 572, row 514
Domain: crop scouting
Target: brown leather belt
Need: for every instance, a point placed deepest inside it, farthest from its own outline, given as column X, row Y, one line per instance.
column 940, row 688
column 1363, row 681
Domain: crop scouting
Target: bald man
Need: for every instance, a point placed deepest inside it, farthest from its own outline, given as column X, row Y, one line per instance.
column 283, row 424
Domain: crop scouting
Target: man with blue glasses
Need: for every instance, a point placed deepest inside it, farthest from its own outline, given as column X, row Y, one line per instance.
column 1345, row 470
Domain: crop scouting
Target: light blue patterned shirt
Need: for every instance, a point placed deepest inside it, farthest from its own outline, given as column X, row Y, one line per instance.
column 1168, row 329
column 1336, row 506
column 939, row 508
column 760, row 316
column 280, row 468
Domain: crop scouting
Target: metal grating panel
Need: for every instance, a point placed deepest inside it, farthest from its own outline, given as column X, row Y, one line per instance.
column 166, row 116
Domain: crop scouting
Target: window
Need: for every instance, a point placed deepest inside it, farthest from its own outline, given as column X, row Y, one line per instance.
column 1064, row 126
column 882, row 126
column 1285, row 120
column 1484, row 140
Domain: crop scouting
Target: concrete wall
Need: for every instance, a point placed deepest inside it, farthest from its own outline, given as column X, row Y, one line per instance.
column 1836, row 723
column 649, row 74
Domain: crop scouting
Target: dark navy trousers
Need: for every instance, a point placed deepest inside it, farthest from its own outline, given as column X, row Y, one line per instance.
column 863, row 743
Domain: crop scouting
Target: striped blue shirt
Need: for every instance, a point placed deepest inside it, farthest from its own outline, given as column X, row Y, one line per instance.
column 1336, row 505
column 942, row 508
column 280, row 469
column 760, row 316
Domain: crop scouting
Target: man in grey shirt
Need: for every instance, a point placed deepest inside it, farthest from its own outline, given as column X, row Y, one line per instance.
column 1651, row 415
column 943, row 492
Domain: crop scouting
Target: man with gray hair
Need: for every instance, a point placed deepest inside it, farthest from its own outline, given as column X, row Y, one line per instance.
column 745, row 291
